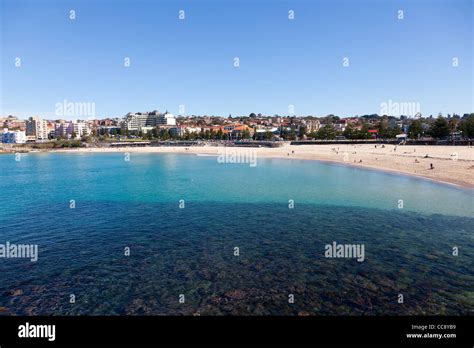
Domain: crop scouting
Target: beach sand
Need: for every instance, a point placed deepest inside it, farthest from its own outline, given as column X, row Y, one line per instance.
column 451, row 164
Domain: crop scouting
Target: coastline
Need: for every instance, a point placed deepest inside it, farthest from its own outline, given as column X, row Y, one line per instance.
column 452, row 165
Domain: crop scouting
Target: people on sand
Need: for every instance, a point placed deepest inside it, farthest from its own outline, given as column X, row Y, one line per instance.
column 431, row 166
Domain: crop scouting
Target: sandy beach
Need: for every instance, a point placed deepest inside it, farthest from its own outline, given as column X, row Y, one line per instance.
column 451, row 164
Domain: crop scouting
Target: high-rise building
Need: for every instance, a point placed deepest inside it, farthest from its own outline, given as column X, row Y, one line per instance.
column 37, row 127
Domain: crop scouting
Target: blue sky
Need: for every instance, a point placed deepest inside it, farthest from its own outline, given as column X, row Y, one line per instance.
column 191, row 62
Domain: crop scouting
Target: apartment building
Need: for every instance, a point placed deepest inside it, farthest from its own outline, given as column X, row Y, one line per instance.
column 37, row 128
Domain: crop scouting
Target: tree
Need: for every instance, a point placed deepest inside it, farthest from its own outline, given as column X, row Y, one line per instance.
column 364, row 132
column 467, row 126
column 255, row 134
column 245, row 134
column 327, row 132
column 415, row 130
column 292, row 135
column 393, row 131
column 452, row 124
column 302, row 131
column 164, row 134
column 349, row 132
column 382, row 128
column 440, row 128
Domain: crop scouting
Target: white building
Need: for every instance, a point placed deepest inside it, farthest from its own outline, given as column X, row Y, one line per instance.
column 68, row 129
column 180, row 131
column 312, row 125
column 13, row 137
column 166, row 119
column 138, row 120
column 37, row 127
column 78, row 129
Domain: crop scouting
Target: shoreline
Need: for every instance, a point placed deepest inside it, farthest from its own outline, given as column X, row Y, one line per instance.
column 406, row 160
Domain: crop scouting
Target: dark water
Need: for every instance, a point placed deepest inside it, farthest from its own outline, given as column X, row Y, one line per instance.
column 191, row 251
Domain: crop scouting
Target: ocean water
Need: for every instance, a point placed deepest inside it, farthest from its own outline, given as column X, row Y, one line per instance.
column 408, row 227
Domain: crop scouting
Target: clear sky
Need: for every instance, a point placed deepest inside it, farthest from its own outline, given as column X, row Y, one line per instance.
column 190, row 62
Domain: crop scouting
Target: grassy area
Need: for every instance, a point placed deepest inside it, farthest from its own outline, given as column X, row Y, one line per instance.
column 57, row 144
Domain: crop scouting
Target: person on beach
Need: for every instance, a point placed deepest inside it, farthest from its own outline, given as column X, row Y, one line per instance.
column 431, row 166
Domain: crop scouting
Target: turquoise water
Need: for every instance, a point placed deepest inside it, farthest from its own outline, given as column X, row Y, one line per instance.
column 190, row 251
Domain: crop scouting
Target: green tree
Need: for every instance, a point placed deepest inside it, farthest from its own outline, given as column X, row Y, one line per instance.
column 467, row 126
column 349, row 132
column 255, row 133
column 245, row 134
column 440, row 128
column 382, row 128
column 164, row 134
column 415, row 130
column 292, row 135
column 363, row 133
column 327, row 132
column 453, row 125
column 302, row 131
column 393, row 131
